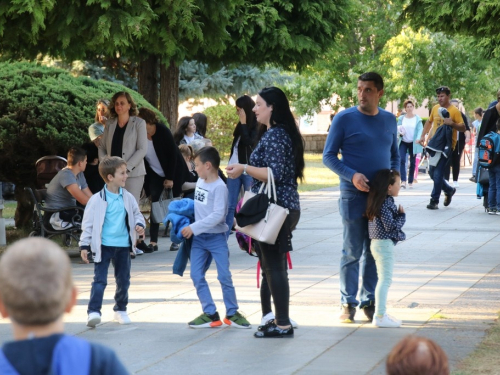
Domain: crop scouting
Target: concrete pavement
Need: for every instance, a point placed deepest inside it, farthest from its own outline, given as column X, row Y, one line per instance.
column 445, row 286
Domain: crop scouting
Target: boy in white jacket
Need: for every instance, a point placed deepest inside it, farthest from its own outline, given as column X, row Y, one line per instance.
column 109, row 227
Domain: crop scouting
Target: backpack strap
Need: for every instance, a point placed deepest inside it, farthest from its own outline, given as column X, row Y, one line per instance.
column 5, row 367
column 72, row 355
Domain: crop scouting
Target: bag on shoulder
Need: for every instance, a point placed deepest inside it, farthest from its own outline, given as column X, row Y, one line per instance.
column 489, row 150
column 268, row 227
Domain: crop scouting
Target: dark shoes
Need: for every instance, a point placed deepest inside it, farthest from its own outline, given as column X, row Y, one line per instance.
column 271, row 330
column 433, row 205
column 174, row 246
column 369, row 310
column 447, row 197
column 142, row 246
column 150, row 248
column 347, row 313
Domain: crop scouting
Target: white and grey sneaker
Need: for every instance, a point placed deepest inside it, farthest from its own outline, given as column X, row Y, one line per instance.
column 93, row 319
column 386, row 321
column 122, row 317
column 138, row 251
column 270, row 316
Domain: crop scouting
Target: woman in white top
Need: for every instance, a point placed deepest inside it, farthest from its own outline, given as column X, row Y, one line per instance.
column 409, row 129
column 186, row 131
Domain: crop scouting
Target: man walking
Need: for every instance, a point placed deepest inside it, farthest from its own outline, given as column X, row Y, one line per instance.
column 367, row 137
column 435, row 121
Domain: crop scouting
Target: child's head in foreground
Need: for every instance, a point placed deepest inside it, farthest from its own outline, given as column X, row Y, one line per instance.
column 110, row 169
column 207, row 161
column 417, row 356
column 36, row 287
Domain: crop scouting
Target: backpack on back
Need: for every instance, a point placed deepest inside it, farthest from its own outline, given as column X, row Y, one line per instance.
column 489, row 150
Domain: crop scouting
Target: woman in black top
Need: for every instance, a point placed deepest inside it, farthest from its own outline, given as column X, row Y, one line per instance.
column 281, row 148
column 244, row 140
column 163, row 166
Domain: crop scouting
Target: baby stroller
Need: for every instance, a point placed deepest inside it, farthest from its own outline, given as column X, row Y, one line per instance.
column 46, row 168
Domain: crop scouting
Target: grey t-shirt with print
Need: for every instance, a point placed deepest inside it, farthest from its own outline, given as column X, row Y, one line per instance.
column 210, row 207
column 57, row 194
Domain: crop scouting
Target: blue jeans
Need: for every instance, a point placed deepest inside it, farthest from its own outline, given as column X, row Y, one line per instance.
column 476, row 160
column 437, row 175
column 234, row 187
column 352, row 205
column 120, row 257
column 403, row 148
column 383, row 253
column 203, row 246
column 494, row 188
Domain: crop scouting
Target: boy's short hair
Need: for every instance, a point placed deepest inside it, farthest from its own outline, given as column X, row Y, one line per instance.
column 76, row 155
column 209, row 154
column 109, row 165
column 35, row 281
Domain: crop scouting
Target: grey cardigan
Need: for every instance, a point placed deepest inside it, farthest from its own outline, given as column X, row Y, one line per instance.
column 135, row 144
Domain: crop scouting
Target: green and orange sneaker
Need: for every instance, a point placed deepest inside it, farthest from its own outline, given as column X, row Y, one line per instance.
column 206, row 321
column 237, row 321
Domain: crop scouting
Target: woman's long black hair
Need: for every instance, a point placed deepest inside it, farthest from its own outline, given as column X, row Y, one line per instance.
column 181, row 129
column 246, row 103
column 378, row 191
column 282, row 116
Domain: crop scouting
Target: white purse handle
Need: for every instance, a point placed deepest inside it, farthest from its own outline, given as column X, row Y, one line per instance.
column 270, row 182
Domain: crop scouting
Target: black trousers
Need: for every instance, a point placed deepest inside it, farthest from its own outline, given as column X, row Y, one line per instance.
column 275, row 278
column 155, row 190
column 456, row 156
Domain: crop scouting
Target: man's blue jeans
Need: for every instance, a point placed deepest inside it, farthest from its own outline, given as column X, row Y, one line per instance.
column 437, row 175
column 234, row 187
column 203, row 246
column 494, row 188
column 352, row 205
column 120, row 257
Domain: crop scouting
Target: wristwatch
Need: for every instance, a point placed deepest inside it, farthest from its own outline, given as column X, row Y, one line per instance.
column 245, row 169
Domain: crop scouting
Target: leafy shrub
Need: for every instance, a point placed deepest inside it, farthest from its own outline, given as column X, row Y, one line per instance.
column 222, row 120
column 44, row 111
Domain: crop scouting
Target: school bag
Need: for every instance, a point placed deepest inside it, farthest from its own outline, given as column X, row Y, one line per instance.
column 489, row 150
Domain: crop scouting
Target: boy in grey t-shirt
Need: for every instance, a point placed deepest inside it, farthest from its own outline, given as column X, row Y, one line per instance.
column 209, row 230
column 68, row 186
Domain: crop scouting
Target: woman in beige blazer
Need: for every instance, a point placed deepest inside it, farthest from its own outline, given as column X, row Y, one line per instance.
column 125, row 136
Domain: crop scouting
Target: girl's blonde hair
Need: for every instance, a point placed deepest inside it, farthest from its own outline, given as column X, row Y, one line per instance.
column 187, row 151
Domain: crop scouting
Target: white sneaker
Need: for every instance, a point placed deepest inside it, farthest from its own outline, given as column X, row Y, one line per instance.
column 122, row 317
column 386, row 321
column 138, row 251
column 270, row 316
column 93, row 319
column 455, row 184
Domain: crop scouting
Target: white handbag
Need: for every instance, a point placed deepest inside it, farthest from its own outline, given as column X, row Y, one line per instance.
column 267, row 229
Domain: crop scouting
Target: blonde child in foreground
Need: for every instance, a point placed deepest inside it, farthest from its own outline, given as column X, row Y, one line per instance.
column 109, row 227
column 209, row 230
column 385, row 221
column 36, row 289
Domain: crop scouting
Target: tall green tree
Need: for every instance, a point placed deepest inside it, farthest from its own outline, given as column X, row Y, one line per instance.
column 476, row 18
column 289, row 33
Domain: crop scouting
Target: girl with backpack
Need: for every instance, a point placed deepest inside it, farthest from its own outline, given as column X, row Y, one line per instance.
column 385, row 222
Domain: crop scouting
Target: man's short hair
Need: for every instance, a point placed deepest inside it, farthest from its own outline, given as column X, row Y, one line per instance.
column 209, row 154
column 109, row 165
column 76, row 155
column 375, row 77
column 35, row 281
column 444, row 89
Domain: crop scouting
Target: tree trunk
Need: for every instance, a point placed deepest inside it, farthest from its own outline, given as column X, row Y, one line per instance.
column 169, row 92
column 24, row 211
column 148, row 79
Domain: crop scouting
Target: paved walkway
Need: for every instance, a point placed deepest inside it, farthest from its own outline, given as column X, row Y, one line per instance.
column 445, row 287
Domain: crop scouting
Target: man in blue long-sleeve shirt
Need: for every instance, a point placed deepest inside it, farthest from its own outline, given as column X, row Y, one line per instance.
column 366, row 136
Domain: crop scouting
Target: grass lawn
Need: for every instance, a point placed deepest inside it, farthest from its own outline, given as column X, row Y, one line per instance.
column 317, row 176
column 9, row 209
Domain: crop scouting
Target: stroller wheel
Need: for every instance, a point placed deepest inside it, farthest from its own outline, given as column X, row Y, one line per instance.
column 68, row 240
column 34, row 234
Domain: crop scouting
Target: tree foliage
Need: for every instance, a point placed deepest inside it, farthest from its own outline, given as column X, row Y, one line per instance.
column 222, row 120
column 44, row 111
column 475, row 18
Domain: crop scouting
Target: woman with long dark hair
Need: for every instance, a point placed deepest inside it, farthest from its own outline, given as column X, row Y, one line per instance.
column 281, row 148
column 244, row 140
column 186, row 131
column 200, row 121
